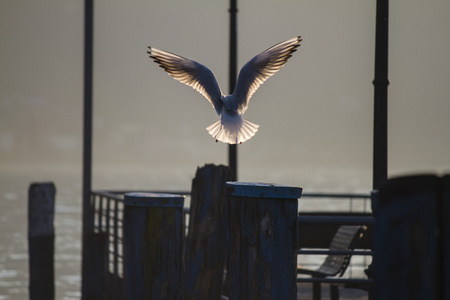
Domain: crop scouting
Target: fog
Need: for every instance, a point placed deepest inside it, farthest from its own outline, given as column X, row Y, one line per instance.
column 315, row 114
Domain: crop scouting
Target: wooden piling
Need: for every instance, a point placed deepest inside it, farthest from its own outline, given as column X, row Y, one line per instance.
column 96, row 260
column 205, row 250
column 262, row 228
column 407, row 259
column 446, row 236
column 41, row 240
column 153, row 245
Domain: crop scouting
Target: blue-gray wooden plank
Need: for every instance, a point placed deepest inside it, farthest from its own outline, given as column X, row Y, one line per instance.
column 262, row 190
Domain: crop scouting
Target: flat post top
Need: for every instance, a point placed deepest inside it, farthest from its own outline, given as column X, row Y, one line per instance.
column 262, row 190
column 153, row 200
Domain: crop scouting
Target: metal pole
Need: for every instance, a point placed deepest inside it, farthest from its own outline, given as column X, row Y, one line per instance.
column 232, row 149
column 87, row 136
column 381, row 82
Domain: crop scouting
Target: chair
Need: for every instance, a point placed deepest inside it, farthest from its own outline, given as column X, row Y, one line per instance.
column 345, row 238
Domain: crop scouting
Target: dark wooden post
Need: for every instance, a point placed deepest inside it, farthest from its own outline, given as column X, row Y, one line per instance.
column 262, row 228
column 153, row 245
column 41, row 240
column 206, row 245
column 407, row 260
column 446, row 236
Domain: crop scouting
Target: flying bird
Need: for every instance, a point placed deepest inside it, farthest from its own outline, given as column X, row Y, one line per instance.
column 231, row 128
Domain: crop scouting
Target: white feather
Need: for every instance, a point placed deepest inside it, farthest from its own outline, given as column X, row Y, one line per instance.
column 231, row 128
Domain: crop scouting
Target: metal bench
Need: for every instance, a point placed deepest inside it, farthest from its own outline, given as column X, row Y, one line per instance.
column 345, row 239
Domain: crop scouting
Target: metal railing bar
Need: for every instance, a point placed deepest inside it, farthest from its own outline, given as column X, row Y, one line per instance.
column 336, row 280
column 116, row 194
column 116, row 246
column 335, row 195
column 107, row 212
column 344, row 220
column 115, row 243
column 100, row 213
column 109, row 194
column 335, row 252
column 120, row 256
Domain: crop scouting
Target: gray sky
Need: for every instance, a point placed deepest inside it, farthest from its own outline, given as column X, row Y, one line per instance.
column 315, row 114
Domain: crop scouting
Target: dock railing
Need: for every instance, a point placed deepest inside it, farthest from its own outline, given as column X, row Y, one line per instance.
column 108, row 222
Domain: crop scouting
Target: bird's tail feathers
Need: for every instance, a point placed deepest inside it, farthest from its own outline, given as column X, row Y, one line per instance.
column 232, row 132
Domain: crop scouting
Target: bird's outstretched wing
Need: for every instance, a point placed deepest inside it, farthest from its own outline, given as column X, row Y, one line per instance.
column 261, row 67
column 191, row 73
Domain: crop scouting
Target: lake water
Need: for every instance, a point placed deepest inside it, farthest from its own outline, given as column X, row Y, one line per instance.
column 13, row 237
column 13, row 221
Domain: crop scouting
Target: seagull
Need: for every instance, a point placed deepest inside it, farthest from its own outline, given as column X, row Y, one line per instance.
column 231, row 128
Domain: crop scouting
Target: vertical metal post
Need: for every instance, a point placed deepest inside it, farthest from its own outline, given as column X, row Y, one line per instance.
column 232, row 149
column 87, row 139
column 381, row 82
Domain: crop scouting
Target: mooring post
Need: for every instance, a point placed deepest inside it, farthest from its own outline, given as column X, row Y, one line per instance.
column 206, row 247
column 407, row 259
column 41, row 240
column 153, row 245
column 445, row 235
column 262, row 229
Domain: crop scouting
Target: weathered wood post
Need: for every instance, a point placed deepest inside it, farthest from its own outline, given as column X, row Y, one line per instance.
column 262, row 229
column 407, row 259
column 446, row 235
column 205, row 249
column 153, row 245
column 41, row 240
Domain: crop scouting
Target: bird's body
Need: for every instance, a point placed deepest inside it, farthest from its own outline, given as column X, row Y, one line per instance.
column 231, row 128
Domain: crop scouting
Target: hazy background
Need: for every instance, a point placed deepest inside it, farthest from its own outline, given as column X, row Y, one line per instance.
column 315, row 114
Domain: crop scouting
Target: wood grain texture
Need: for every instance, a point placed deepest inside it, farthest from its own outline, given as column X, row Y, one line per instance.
column 153, row 245
column 407, row 259
column 41, row 240
column 262, row 246
column 206, row 244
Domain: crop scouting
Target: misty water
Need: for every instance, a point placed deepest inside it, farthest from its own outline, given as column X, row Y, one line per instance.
column 315, row 114
column 14, row 186
column 13, row 237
